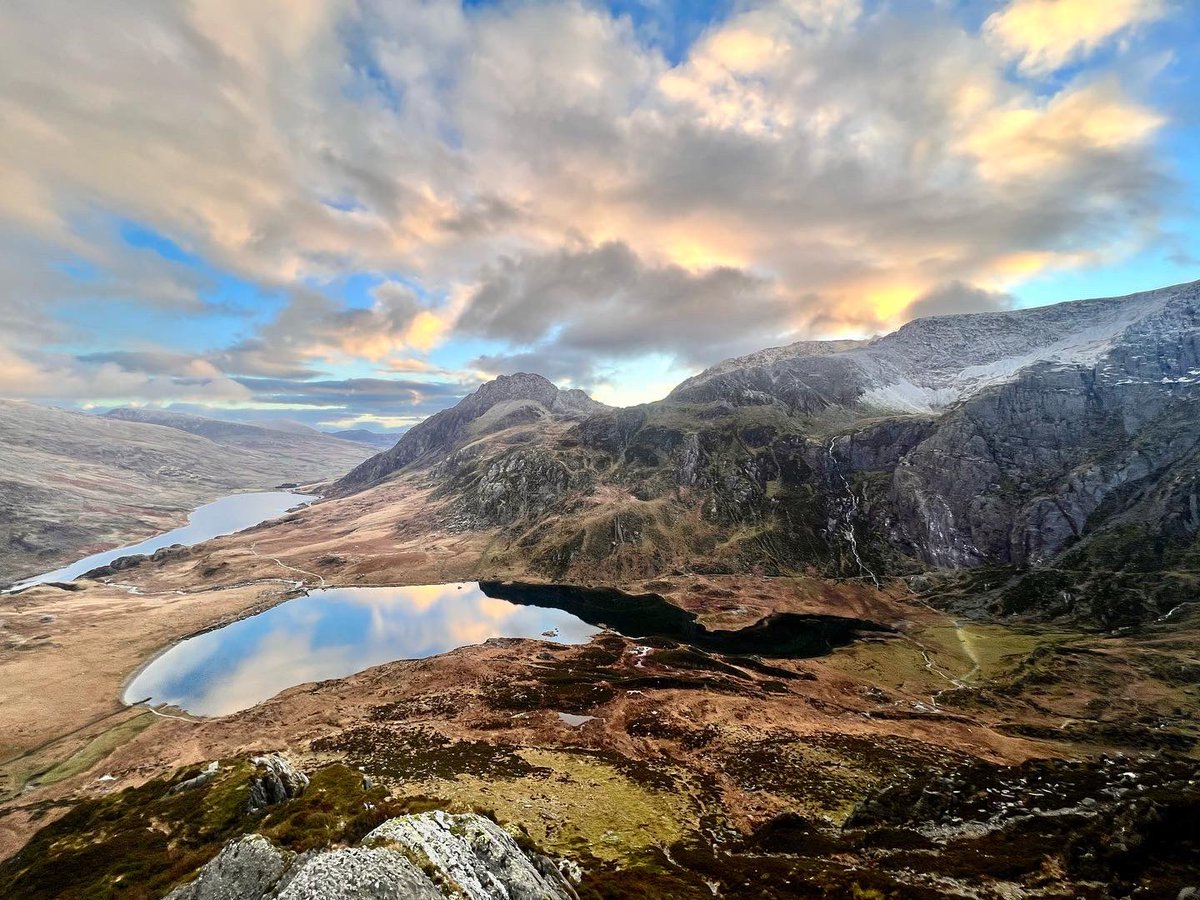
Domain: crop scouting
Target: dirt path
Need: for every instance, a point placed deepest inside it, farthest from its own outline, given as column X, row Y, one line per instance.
column 284, row 565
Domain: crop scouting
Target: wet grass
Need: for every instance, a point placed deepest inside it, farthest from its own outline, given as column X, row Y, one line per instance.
column 97, row 749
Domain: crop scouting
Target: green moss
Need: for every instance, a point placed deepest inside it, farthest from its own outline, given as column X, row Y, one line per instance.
column 96, row 749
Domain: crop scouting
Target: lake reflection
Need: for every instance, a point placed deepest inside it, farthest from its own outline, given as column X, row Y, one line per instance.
column 224, row 516
column 334, row 633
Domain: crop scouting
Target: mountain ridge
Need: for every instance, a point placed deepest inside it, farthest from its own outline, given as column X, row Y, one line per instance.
column 1069, row 429
column 509, row 399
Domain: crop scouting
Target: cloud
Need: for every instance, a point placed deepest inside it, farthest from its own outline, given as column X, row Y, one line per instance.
column 539, row 178
column 1045, row 35
column 386, row 395
column 60, row 377
column 957, row 297
column 604, row 302
column 314, row 329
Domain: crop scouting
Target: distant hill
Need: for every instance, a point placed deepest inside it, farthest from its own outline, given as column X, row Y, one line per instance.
column 73, row 483
column 364, row 436
column 285, row 425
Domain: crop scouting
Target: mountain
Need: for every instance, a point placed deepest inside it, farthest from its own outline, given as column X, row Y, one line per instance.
column 508, row 401
column 72, row 483
column 928, row 364
column 285, row 425
column 1062, row 439
column 293, row 437
column 365, row 436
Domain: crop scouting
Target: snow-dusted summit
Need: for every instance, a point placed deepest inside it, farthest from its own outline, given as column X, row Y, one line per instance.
column 931, row 363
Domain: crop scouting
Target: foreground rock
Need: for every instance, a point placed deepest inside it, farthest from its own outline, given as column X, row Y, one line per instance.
column 419, row 857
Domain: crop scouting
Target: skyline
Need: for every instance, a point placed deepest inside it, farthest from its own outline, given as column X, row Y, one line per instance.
column 352, row 213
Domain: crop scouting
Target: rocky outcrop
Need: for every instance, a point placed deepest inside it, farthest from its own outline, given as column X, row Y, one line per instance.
column 513, row 486
column 508, row 400
column 133, row 560
column 249, row 867
column 421, row 857
column 274, row 781
column 474, row 854
column 197, row 781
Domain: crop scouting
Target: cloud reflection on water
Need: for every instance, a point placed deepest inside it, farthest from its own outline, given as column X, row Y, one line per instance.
column 333, row 634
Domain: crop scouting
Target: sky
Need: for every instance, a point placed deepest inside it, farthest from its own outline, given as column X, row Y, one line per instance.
column 352, row 212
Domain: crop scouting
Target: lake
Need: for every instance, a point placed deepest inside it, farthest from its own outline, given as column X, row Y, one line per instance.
column 333, row 633
column 224, row 516
column 336, row 632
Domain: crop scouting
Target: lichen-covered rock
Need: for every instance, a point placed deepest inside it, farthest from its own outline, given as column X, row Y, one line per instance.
column 420, row 857
column 249, row 867
column 474, row 853
column 359, row 873
column 274, row 781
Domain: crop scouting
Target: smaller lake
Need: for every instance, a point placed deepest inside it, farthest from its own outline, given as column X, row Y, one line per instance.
column 224, row 516
column 334, row 633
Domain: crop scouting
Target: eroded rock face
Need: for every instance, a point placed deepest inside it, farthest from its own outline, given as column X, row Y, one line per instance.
column 421, row 857
column 275, row 781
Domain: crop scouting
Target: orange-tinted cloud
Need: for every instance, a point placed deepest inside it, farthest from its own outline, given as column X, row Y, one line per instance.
column 1047, row 34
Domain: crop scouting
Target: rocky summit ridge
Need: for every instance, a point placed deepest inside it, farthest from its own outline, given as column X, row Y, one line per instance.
column 933, row 362
column 509, row 400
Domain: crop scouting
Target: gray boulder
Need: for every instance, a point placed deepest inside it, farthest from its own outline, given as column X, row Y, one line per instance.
column 479, row 856
column 249, row 867
column 199, row 781
column 420, row 857
column 357, row 873
column 275, row 781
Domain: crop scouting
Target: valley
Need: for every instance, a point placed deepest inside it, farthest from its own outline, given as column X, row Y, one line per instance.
column 75, row 483
column 858, row 622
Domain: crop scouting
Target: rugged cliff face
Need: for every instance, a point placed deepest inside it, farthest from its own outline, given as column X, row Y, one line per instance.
column 1062, row 435
column 1052, row 457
